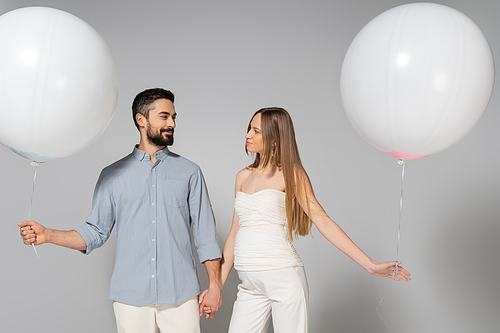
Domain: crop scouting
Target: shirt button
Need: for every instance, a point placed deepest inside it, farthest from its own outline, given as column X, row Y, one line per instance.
column 153, row 204
column 153, row 221
column 153, row 185
column 153, row 276
column 153, row 259
column 154, row 240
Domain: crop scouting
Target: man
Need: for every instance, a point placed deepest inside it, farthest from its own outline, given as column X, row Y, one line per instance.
column 153, row 197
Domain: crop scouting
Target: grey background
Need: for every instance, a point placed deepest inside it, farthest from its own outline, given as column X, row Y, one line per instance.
column 224, row 60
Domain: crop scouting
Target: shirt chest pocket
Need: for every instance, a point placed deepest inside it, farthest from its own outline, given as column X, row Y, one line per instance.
column 175, row 193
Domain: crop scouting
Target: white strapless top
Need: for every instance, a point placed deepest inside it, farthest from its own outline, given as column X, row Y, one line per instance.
column 262, row 241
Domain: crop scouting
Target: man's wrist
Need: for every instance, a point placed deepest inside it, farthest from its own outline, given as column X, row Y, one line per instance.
column 47, row 236
column 215, row 285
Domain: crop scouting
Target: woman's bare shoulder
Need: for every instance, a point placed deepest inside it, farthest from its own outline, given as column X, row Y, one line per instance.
column 245, row 172
column 241, row 176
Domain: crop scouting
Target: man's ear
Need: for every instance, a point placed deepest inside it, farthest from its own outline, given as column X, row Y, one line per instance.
column 141, row 120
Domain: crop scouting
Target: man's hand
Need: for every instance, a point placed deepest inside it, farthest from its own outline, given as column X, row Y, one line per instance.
column 36, row 234
column 32, row 233
column 210, row 301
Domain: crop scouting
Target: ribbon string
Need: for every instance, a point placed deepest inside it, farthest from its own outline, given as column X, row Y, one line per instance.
column 380, row 302
column 35, row 164
column 402, row 163
column 395, row 273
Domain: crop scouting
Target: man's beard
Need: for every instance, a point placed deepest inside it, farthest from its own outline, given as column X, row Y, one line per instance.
column 158, row 139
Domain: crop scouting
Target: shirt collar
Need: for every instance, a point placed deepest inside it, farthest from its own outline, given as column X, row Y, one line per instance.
column 142, row 155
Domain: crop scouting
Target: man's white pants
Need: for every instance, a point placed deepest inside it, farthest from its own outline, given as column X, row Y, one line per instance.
column 179, row 318
column 282, row 292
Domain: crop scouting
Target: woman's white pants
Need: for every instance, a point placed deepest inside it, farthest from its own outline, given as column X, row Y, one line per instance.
column 282, row 292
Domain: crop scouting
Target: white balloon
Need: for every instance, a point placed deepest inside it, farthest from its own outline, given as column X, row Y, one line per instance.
column 416, row 79
column 58, row 83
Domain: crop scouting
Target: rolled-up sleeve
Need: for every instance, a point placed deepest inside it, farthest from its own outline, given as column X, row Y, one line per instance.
column 202, row 219
column 101, row 219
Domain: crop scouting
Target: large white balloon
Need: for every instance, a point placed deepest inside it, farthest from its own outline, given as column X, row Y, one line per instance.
column 416, row 79
column 58, row 83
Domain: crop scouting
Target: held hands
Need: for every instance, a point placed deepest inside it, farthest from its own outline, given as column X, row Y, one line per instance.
column 210, row 301
column 32, row 232
column 390, row 270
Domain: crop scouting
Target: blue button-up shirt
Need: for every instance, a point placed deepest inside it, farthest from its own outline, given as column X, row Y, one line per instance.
column 153, row 208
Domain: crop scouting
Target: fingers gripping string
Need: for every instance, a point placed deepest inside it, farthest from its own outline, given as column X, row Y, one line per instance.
column 35, row 164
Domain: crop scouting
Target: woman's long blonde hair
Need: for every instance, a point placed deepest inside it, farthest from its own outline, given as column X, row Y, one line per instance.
column 280, row 150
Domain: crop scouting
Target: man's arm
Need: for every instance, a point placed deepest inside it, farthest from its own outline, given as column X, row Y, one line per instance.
column 36, row 234
column 212, row 298
column 86, row 237
column 205, row 239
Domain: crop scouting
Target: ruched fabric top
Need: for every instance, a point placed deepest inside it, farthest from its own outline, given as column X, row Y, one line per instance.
column 262, row 241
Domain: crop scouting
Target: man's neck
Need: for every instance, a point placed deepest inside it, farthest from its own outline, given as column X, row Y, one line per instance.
column 149, row 148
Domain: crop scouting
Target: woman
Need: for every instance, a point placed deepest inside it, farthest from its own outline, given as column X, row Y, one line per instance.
column 275, row 203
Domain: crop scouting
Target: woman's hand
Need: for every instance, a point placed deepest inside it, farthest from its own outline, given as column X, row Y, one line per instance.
column 391, row 270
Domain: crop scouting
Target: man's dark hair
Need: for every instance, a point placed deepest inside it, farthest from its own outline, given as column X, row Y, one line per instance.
column 143, row 102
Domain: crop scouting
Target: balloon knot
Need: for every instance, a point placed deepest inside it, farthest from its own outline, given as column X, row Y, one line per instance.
column 34, row 163
column 401, row 161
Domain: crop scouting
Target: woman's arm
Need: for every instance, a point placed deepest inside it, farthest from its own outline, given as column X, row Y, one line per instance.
column 227, row 261
column 335, row 235
column 228, row 251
